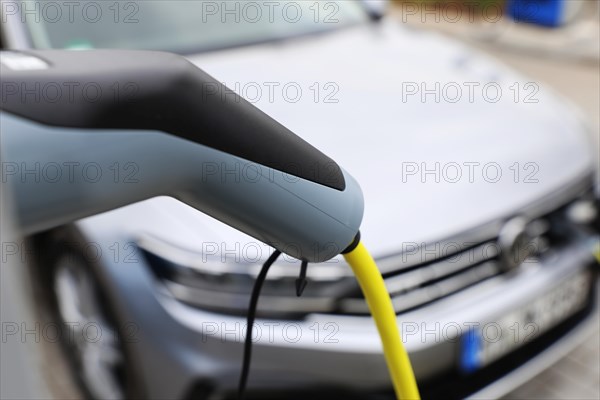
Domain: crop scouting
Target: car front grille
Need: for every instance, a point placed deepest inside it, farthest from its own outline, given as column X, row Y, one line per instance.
column 414, row 286
column 420, row 275
column 437, row 270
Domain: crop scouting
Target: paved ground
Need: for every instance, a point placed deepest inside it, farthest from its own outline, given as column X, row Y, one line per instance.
column 567, row 60
column 574, row 377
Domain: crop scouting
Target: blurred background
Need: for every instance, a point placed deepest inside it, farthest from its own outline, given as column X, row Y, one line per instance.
column 559, row 48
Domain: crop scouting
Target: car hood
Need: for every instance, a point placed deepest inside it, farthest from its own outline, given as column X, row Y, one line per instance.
column 476, row 159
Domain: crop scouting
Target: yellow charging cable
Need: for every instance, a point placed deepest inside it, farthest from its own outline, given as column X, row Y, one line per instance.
column 596, row 251
column 378, row 299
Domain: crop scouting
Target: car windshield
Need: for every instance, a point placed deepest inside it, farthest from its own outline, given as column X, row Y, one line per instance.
column 181, row 26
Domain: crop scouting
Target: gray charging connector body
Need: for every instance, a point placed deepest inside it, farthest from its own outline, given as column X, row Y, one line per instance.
column 73, row 157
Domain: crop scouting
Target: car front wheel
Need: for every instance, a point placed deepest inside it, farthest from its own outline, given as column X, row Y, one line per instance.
column 79, row 303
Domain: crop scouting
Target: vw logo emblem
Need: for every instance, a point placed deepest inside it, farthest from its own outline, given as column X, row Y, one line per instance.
column 516, row 244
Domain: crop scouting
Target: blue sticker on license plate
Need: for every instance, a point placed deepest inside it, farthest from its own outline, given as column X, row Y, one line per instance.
column 488, row 342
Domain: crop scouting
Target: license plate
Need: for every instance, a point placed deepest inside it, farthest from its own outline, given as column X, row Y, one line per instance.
column 489, row 342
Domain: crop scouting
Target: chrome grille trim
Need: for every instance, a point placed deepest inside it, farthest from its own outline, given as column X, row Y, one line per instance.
column 438, row 270
column 236, row 302
column 429, row 293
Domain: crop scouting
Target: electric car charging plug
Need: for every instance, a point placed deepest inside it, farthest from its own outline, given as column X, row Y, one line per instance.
column 175, row 118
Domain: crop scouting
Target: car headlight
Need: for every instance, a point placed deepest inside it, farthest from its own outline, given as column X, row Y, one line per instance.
column 213, row 285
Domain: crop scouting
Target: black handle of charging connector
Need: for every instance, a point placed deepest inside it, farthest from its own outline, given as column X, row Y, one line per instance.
column 124, row 89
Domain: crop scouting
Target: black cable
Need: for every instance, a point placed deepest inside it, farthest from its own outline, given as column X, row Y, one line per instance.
column 260, row 279
column 301, row 282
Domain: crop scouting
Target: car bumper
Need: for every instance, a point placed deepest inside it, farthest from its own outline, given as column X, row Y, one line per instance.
column 336, row 351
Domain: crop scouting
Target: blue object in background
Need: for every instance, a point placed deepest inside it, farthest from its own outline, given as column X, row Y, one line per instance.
column 551, row 13
column 469, row 358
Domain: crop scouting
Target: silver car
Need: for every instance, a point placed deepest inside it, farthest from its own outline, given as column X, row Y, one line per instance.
column 480, row 209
